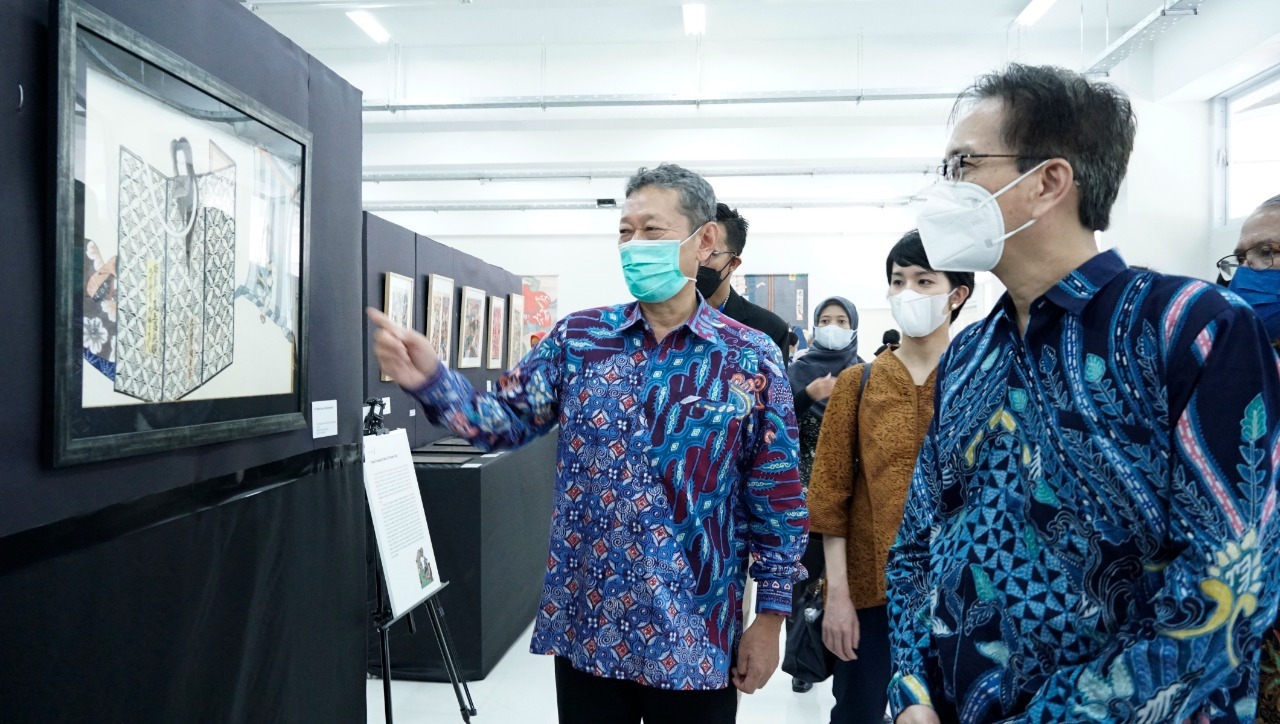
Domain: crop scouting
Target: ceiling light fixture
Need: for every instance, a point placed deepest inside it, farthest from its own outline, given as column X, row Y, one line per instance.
column 695, row 19
column 370, row 26
column 1032, row 13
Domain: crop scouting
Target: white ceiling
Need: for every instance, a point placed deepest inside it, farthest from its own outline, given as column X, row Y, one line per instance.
column 491, row 49
column 321, row 24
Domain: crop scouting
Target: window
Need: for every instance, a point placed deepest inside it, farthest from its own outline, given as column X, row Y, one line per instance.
column 1252, row 144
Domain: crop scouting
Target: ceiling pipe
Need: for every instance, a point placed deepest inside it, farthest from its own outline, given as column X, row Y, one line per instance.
column 895, row 166
column 571, row 205
column 635, row 100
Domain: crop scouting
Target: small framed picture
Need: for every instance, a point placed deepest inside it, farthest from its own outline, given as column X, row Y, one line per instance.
column 497, row 325
column 515, row 331
column 397, row 302
column 471, row 328
column 440, row 315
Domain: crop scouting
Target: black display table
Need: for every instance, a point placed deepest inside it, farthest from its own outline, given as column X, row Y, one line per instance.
column 489, row 518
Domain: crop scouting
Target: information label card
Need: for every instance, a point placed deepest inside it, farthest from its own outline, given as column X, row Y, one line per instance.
column 395, row 504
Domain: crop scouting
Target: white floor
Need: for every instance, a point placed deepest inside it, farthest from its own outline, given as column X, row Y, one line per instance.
column 521, row 690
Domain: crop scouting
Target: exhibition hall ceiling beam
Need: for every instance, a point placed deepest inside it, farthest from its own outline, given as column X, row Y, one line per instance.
column 1144, row 33
column 256, row 5
column 888, row 166
column 586, row 204
column 631, row 100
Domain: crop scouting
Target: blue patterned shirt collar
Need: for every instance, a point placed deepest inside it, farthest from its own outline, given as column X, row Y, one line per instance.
column 1074, row 291
column 705, row 322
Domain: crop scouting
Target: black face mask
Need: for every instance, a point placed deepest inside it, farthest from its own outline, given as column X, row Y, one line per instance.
column 709, row 280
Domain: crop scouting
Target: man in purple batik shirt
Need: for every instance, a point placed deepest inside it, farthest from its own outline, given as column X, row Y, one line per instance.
column 675, row 475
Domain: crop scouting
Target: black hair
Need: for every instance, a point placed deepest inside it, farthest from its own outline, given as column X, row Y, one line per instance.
column 909, row 251
column 792, row 338
column 735, row 228
column 891, row 336
column 1053, row 112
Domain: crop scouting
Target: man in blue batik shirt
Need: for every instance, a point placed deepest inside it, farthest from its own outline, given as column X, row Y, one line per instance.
column 1090, row 533
column 675, row 472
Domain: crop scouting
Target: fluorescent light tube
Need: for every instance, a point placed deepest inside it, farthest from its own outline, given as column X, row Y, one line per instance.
column 370, row 25
column 695, row 19
column 1032, row 13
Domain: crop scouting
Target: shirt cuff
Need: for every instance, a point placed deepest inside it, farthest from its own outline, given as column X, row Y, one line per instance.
column 434, row 391
column 773, row 596
column 907, row 690
column 823, row 526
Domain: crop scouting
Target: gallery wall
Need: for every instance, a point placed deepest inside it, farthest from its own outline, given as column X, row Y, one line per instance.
column 223, row 582
column 298, row 87
column 392, row 248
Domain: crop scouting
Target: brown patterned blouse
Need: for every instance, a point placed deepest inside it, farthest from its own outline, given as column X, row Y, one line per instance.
column 866, row 508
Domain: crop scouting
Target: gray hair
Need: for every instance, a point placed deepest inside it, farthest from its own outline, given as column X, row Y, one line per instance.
column 697, row 199
column 1270, row 203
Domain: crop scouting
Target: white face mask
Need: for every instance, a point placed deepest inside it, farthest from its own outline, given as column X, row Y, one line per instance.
column 917, row 314
column 962, row 227
column 832, row 337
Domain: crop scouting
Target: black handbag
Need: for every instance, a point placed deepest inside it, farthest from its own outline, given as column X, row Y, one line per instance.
column 805, row 656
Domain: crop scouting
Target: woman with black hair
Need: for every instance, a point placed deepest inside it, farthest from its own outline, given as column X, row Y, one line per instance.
column 872, row 432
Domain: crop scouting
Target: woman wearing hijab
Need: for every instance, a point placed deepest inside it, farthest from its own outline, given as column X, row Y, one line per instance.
column 813, row 377
column 866, row 454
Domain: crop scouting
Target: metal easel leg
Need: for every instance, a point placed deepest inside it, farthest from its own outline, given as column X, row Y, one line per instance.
column 385, row 635
column 436, row 613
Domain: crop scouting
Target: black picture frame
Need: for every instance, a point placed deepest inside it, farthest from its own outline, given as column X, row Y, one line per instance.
column 174, row 421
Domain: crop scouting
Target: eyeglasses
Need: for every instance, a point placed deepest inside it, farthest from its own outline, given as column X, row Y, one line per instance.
column 952, row 168
column 715, row 254
column 1256, row 258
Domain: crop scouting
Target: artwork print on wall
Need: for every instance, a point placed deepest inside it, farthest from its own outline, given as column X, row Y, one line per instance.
column 497, row 325
column 440, row 315
column 181, row 247
column 471, row 328
column 397, row 302
column 786, row 295
column 517, row 344
column 541, row 300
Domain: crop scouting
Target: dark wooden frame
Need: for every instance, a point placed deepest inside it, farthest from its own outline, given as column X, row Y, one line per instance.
column 68, row 445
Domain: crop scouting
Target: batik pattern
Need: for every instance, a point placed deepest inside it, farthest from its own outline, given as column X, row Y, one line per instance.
column 676, row 468
column 1085, row 534
column 176, row 320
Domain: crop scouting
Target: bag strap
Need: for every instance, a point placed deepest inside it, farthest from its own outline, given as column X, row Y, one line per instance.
column 862, row 388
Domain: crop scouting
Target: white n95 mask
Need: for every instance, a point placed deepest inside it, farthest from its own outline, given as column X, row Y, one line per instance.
column 832, row 337
column 918, row 314
column 962, row 227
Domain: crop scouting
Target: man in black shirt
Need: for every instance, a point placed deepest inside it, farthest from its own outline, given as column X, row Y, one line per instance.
column 713, row 281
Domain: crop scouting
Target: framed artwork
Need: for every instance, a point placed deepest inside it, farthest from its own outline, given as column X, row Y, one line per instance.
column 497, row 325
column 440, row 315
column 541, row 299
column 181, row 251
column 397, row 302
column 471, row 328
column 786, row 295
column 517, row 343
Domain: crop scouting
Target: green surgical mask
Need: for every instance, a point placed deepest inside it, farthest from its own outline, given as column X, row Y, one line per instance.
column 652, row 268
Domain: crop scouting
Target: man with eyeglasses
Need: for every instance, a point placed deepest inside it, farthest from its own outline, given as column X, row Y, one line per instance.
column 713, row 281
column 1090, row 532
column 1250, row 270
